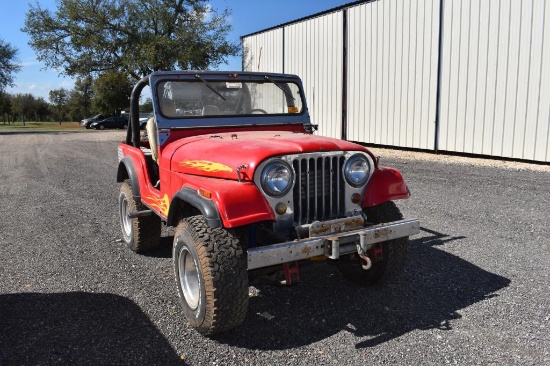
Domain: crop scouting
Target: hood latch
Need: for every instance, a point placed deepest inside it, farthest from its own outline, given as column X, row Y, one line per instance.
column 239, row 168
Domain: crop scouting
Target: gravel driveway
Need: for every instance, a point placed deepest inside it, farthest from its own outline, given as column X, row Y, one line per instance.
column 476, row 290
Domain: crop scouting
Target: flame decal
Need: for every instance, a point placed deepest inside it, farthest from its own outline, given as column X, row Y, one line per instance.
column 161, row 204
column 206, row 166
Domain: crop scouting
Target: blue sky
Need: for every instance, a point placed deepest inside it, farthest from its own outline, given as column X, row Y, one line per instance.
column 247, row 16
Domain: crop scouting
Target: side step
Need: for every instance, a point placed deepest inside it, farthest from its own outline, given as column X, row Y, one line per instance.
column 134, row 214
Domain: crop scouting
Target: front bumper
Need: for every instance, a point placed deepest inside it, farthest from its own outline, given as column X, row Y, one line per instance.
column 331, row 245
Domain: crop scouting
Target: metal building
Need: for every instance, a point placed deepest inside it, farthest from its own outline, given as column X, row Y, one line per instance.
column 468, row 76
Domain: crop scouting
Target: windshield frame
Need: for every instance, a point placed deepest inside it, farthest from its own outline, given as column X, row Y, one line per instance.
column 181, row 121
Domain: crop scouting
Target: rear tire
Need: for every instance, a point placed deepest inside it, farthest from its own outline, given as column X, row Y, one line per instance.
column 141, row 234
column 394, row 251
column 211, row 276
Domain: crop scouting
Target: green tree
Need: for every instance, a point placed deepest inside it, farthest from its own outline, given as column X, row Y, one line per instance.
column 134, row 37
column 74, row 109
column 147, row 106
column 59, row 98
column 5, row 106
column 9, row 64
column 41, row 110
column 112, row 92
column 84, row 90
column 80, row 98
column 23, row 106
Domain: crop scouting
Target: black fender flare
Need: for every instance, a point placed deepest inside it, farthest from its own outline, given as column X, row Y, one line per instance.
column 127, row 170
column 190, row 196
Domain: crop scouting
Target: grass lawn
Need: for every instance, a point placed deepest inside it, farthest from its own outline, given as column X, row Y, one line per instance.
column 40, row 126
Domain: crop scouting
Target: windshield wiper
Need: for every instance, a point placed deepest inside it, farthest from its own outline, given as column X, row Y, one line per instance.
column 288, row 94
column 209, row 86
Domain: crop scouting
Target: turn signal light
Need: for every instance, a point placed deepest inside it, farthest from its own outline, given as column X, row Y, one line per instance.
column 355, row 198
column 203, row 192
column 280, row 208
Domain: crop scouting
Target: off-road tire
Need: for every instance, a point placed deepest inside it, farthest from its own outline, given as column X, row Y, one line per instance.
column 141, row 234
column 394, row 252
column 216, row 299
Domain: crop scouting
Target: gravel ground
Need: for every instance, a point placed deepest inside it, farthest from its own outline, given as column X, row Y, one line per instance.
column 476, row 290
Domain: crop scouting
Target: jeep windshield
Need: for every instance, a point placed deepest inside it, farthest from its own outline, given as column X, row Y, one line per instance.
column 203, row 99
column 193, row 99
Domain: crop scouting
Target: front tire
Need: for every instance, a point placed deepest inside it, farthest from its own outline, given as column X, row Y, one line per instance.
column 394, row 251
column 141, row 234
column 211, row 276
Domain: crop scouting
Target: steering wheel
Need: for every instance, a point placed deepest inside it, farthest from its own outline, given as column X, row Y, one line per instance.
column 256, row 110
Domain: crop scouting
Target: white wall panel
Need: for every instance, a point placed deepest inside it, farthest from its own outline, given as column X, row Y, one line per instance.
column 264, row 51
column 392, row 73
column 314, row 51
column 495, row 100
column 495, row 59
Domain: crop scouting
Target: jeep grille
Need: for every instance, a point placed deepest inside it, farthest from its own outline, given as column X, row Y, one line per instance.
column 319, row 188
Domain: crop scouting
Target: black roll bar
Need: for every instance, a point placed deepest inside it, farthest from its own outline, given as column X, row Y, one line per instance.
column 132, row 135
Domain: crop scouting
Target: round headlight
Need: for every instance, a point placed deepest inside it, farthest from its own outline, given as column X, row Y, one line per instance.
column 277, row 178
column 357, row 170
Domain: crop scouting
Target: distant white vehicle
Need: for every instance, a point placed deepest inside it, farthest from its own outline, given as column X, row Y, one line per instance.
column 143, row 118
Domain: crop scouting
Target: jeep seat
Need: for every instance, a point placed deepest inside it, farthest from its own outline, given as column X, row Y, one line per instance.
column 167, row 108
column 152, row 135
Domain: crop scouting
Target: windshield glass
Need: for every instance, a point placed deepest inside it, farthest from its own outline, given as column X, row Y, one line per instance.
column 203, row 98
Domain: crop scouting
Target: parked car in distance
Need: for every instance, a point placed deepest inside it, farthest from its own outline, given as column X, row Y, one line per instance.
column 110, row 122
column 86, row 122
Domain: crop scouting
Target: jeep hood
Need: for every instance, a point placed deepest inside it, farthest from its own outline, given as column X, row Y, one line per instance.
column 219, row 155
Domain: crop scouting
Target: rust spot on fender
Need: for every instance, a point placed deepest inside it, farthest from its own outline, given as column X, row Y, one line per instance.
column 336, row 226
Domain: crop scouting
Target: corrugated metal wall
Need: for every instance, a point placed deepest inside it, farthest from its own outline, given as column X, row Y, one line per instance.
column 494, row 83
column 495, row 96
column 264, row 52
column 314, row 51
column 392, row 72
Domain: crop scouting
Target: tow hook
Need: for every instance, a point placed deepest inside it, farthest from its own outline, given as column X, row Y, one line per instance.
column 368, row 263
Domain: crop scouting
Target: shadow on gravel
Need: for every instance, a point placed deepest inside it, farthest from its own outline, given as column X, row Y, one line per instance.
column 428, row 295
column 79, row 328
column 164, row 250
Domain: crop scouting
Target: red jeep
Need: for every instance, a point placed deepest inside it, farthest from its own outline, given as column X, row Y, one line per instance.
column 231, row 161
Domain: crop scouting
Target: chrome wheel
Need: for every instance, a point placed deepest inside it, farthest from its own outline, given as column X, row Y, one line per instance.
column 211, row 275
column 126, row 221
column 140, row 234
column 189, row 278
